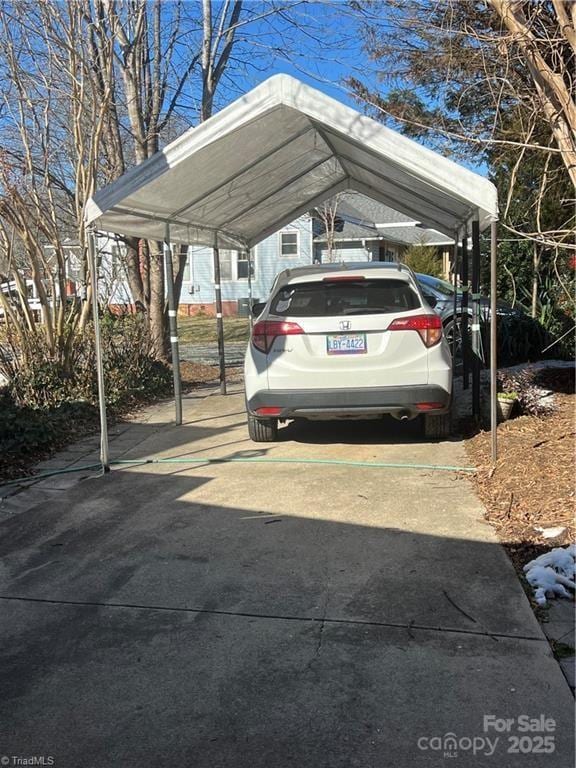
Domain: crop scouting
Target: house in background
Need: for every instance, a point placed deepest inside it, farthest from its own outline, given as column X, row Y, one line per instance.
column 290, row 247
column 10, row 293
column 73, row 281
column 364, row 231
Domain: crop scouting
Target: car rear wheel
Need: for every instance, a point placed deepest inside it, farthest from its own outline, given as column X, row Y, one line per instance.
column 437, row 427
column 262, row 430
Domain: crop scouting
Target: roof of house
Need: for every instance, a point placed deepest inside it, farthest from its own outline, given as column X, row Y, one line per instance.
column 355, row 206
column 350, row 231
column 367, row 219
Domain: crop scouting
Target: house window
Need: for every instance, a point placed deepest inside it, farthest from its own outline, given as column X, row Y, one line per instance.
column 289, row 243
column 226, row 261
column 234, row 265
column 242, row 266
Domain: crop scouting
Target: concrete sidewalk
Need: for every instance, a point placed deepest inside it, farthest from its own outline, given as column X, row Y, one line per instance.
column 270, row 614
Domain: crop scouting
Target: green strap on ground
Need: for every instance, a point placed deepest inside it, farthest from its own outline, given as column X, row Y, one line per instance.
column 248, row 460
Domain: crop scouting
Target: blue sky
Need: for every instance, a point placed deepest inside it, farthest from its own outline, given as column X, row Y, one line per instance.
column 321, row 44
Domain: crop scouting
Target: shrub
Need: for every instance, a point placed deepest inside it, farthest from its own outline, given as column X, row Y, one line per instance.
column 423, row 258
column 42, row 379
column 524, row 339
column 132, row 375
column 51, row 398
column 27, row 432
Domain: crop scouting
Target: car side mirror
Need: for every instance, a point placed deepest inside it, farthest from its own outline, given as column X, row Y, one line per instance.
column 432, row 300
column 257, row 308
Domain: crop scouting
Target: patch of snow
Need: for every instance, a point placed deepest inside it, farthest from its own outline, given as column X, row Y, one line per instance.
column 550, row 533
column 552, row 573
column 537, row 365
column 522, row 367
column 545, row 396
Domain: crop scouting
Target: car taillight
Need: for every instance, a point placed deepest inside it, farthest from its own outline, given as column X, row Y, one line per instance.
column 265, row 331
column 429, row 406
column 269, row 410
column 428, row 326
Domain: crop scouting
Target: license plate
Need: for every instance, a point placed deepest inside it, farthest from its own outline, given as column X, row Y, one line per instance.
column 346, row 344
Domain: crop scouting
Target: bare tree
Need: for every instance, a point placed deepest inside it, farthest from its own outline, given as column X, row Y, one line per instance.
column 48, row 165
column 95, row 86
column 327, row 214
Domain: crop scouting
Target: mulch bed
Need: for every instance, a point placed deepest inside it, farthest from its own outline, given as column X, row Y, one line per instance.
column 532, row 484
column 196, row 375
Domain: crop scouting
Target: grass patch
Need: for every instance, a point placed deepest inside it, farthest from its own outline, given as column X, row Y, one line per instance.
column 202, row 330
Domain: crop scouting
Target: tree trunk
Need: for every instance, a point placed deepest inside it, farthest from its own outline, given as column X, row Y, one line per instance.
column 158, row 337
column 179, row 276
column 554, row 94
column 134, row 275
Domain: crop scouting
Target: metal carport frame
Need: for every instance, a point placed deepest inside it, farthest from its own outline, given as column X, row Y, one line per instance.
column 274, row 154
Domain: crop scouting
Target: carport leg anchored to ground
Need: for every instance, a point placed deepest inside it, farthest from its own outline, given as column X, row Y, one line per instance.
column 272, row 155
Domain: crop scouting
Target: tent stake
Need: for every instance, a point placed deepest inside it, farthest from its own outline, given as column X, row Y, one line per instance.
column 104, row 452
column 219, row 321
column 173, row 326
column 493, row 341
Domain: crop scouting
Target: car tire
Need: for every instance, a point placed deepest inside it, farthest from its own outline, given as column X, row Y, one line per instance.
column 449, row 327
column 438, row 426
column 262, row 430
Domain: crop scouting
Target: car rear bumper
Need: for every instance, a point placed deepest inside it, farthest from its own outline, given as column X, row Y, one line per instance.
column 295, row 403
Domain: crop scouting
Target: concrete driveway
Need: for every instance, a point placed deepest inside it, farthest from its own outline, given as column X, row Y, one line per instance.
column 281, row 613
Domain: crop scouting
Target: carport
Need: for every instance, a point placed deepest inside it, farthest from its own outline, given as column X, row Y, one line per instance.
column 266, row 159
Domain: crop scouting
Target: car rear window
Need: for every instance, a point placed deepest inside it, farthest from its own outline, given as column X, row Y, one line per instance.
column 334, row 299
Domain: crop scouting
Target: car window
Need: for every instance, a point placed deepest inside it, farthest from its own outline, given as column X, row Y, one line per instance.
column 434, row 283
column 430, row 298
column 335, row 299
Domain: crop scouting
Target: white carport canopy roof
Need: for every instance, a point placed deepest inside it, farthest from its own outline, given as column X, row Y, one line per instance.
column 273, row 155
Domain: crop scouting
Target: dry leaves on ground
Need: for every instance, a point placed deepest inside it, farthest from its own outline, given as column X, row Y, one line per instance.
column 198, row 374
column 533, row 482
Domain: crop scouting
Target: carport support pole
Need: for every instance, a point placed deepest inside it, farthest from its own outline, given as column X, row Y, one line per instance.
column 249, row 259
column 464, row 305
column 104, row 453
column 219, row 321
column 476, row 341
column 173, row 326
column 493, row 341
column 455, row 305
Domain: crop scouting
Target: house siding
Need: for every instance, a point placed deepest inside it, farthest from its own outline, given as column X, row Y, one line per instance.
column 197, row 294
column 198, row 286
column 347, row 251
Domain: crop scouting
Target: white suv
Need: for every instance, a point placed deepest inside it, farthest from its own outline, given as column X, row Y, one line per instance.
column 346, row 340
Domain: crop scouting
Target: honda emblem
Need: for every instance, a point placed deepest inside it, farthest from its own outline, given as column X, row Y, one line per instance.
column 345, row 325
